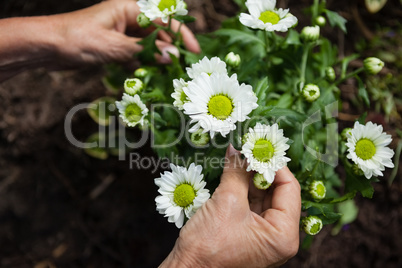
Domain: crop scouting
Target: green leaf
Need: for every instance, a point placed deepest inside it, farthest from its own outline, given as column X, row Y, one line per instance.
column 293, row 37
column 239, row 36
column 286, row 114
column 148, row 43
column 345, row 63
column 185, row 19
column 100, row 110
column 360, row 184
column 363, row 91
column 336, row 20
column 260, row 91
column 349, row 212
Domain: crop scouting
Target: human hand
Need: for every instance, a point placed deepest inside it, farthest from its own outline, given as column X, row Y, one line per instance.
column 241, row 226
column 98, row 34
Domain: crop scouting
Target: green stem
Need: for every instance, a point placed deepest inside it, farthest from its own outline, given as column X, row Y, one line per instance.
column 303, row 65
column 315, row 10
column 349, row 75
column 266, row 41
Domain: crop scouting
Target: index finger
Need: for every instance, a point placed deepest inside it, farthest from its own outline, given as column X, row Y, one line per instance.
column 190, row 42
column 286, row 193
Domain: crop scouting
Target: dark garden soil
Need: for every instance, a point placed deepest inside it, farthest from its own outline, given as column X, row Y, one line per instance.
column 60, row 207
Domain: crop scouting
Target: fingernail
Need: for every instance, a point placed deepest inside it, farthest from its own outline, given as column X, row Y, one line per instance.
column 230, row 151
column 165, row 53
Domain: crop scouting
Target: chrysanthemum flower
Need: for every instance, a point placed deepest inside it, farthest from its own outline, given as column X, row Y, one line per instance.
column 162, row 8
column 260, row 182
column 178, row 95
column 209, row 66
column 312, row 225
column 182, row 193
column 264, row 16
column 132, row 86
column 217, row 102
column 367, row 147
column 264, row 149
column 132, row 110
column 317, row 190
column 311, row 92
column 199, row 138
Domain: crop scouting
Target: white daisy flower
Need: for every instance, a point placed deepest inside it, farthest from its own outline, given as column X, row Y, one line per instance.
column 217, row 102
column 132, row 110
column 264, row 149
column 178, row 95
column 133, row 85
column 264, row 16
column 312, row 225
column 182, row 193
column 209, row 66
column 154, row 9
column 367, row 147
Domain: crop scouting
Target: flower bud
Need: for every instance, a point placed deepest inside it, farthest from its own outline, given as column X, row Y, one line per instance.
column 132, row 86
column 232, row 59
column 317, row 190
column 373, row 65
column 330, row 74
column 310, row 33
column 311, row 92
column 143, row 21
column 199, row 139
column 140, row 73
column 357, row 170
column 312, row 225
column 344, row 132
column 320, row 21
column 260, row 182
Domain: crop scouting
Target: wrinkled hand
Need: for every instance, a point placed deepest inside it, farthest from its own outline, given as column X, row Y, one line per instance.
column 241, row 226
column 108, row 32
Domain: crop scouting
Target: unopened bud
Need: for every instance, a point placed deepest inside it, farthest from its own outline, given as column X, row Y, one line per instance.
column 344, row 133
column 311, row 92
column 260, row 182
column 373, row 65
column 132, row 86
column 330, row 74
column 140, row 73
column 310, row 33
column 143, row 21
column 357, row 170
column 320, row 21
column 199, row 139
column 312, row 225
column 233, row 59
column 317, row 190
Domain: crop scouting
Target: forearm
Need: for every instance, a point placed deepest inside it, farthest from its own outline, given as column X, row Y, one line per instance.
column 27, row 43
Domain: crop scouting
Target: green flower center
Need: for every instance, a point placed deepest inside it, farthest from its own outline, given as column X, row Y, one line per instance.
column 184, row 195
column 312, row 92
column 220, row 106
column 133, row 112
column 320, row 190
column 365, row 149
column 263, row 150
column 167, row 4
column 269, row 17
column 315, row 228
column 131, row 83
column 183, row 97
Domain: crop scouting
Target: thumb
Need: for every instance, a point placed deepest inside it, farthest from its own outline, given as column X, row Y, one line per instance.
column 235, row 179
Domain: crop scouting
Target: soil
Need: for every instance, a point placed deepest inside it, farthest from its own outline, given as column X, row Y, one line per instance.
column 62, row 208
